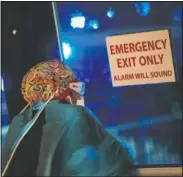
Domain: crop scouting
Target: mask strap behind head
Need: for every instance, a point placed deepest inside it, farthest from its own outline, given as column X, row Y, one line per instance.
column 40, row 111
column 43, row 105
column 24, row 108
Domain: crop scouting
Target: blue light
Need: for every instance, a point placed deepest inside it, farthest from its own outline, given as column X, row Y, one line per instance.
column 66, row 50
column 94, row 24
column 177, row 15
column 2, row 84
column 143, row 8
column 110, row 13
column 78, row 21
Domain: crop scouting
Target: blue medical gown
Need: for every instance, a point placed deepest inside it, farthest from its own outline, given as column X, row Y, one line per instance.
column 73, row 143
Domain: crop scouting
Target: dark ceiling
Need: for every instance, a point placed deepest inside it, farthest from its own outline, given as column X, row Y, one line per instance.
column 126, row 14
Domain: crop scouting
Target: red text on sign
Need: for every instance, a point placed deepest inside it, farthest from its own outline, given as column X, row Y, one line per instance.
column 138, row 47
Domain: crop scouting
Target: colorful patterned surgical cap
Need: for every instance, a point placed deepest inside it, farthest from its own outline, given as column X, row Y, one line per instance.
column 46, row 79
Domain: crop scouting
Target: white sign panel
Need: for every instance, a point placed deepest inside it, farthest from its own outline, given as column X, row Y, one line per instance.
column 140, row 58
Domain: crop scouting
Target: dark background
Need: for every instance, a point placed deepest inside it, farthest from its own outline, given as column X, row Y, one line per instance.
column 33, row 42
column 36, row 41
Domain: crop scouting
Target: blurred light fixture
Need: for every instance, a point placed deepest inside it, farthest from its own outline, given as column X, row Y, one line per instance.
column 110, row 13
column 142, row 8
column 177, row 15
column 2, row 84
column 78, row 21
column 94, row 24
column 14, row 32
column 66, row 50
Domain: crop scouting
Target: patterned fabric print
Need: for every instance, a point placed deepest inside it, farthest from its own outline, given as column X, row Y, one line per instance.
column 44, row 79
